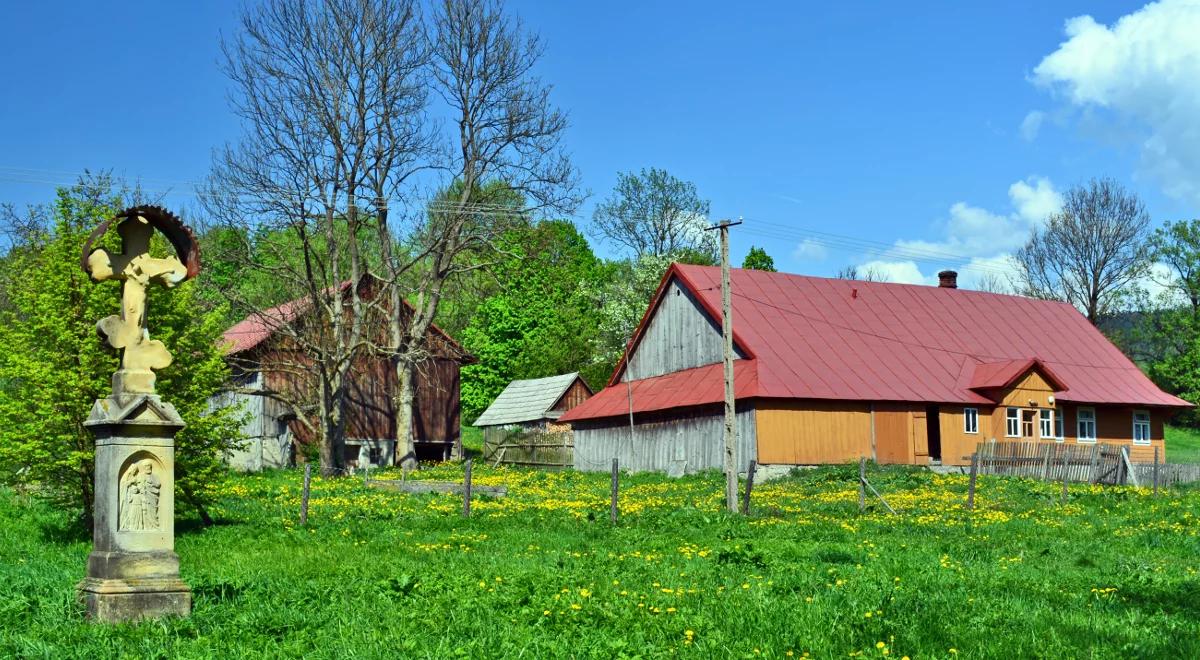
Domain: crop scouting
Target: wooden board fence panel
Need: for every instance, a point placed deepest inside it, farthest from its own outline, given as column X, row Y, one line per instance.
column 531, row 448
column 1094, row 463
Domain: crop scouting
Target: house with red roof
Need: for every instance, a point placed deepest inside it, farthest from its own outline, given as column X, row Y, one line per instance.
column 271, row 379
column 830, row 370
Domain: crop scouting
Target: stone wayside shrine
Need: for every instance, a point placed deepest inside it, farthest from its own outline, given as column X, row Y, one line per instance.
column 133, row 571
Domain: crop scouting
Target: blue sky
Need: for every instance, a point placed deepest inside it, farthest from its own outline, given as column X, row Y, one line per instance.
column 939, row 131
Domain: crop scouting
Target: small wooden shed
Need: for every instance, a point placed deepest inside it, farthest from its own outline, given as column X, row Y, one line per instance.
column 526, row 413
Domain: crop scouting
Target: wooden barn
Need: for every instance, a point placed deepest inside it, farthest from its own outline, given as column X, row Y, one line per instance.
column 533, row 405
column 260, row 357
column 831, row 370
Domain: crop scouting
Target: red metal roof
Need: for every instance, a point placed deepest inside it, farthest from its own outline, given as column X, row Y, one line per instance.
column 1001, row 375
column 820, row 338
column 259, row 326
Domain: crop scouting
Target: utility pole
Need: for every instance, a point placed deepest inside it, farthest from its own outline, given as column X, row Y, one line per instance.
column 730, row 402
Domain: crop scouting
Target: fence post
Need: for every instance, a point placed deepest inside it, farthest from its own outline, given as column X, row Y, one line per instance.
column 612, row 507
column 1156, row 471
column 971, row 486
column 304, row 494
column 1092, row 476
column 749, row 487
column 467, row 490
column 1046, row 463
column 862, row 484
column 1064, row 480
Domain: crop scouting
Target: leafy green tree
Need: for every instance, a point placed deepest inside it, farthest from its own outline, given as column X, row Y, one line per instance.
column 1167, row 334
column 54, row 366
column 758, row 259
column 540, row 321
column 653, row 213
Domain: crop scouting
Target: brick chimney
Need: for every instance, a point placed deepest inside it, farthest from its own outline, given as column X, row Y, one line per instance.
column 948, row 279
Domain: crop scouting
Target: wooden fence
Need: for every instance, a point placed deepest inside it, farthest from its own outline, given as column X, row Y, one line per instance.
column 533, row 448
column 1096, row 464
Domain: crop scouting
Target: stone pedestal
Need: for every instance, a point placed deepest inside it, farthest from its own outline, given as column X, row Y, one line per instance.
column 133, row 571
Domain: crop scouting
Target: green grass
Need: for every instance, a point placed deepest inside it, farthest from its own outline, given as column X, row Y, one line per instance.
column 1183, row 444
column 542, row 573
column 472, row 441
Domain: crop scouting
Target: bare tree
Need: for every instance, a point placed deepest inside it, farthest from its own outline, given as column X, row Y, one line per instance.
column 331, row 97
column 505, row 142
column 654, row 213
column 1091, row 252
column 868, row 274
column 992, row 283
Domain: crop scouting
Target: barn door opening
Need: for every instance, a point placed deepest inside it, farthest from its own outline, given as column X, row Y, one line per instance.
column 933, row 431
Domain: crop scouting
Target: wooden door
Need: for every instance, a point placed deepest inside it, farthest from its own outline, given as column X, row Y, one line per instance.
column 1028, row 424
column 920, row 434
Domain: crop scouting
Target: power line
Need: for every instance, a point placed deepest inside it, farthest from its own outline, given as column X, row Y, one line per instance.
column 756, row 227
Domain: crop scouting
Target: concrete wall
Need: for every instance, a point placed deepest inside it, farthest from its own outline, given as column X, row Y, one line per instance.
column 689, row 441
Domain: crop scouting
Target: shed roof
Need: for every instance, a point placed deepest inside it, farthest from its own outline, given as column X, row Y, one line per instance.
column 820, row 338
column 256, row 328
column 527, row 400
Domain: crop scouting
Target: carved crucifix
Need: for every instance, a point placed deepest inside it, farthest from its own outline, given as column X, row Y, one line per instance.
column 136, row 269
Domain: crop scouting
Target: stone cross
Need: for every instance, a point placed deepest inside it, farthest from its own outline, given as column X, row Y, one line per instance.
column 127, row 332
column 133, row 571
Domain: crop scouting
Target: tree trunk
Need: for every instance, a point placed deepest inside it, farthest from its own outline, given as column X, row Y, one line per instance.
column 406, row 446
column 333, row 429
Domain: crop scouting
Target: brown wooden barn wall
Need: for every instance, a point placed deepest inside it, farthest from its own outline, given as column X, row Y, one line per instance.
column 576, row 394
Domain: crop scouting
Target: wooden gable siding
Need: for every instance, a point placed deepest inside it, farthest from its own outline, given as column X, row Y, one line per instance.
column 1032, row 387
column 678, row 336
column 804, row 432
column 576, row 394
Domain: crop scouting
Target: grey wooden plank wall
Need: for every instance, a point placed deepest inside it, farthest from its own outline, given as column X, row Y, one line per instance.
column 679, row 336
column 684, row 445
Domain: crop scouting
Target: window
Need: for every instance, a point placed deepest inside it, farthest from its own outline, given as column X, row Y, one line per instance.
column 1013, row 426
column 1058, row 425
column 1141, row 427
column 1046, row 423
column 1085, row 422
column 971, row 420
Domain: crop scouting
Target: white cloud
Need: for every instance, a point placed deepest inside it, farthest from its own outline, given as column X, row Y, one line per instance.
column 810, row 250
column 977, row 242
column 1035, row 199
column 1143, row 69
column 901, row 272
column 971, row 231
column 1031, row 125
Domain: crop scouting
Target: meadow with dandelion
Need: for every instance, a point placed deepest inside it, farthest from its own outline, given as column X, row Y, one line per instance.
column 1113, row 572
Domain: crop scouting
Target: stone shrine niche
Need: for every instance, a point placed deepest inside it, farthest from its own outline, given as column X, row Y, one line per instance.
column 139, row 493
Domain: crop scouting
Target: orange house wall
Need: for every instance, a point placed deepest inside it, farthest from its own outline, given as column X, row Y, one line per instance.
column 801, row 432
column 812, row 432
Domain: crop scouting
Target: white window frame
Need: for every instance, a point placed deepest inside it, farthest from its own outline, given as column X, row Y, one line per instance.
column 1045, row 423
column 1146, row 440
column 1080, row 421
column 1059, row 425
column 1012, row 422
column 971, row 420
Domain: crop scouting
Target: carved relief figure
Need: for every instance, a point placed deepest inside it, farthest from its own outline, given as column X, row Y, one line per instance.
column 140, row 491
